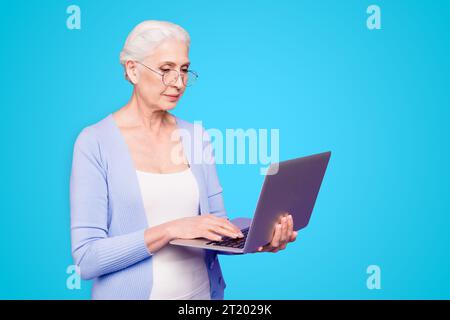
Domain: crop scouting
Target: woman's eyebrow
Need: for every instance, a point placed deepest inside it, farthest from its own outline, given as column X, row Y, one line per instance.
column 170, row 63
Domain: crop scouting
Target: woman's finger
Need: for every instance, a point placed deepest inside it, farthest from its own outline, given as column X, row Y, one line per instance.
column 276, row 237
column 290, row 227
column 224, row 231
column 232, row 227
column 212, row 236
column 294, row 235
column 233, row 232
column 284, row 230
column 275, row 250
column 226, row 225
column 279, row 248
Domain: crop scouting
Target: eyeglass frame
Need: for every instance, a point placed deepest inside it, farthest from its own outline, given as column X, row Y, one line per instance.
column 163, row 74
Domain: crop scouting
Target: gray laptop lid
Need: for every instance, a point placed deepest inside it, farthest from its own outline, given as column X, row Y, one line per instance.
column 294, row 189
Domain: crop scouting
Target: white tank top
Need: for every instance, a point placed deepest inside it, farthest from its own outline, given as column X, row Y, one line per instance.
column 178, row 272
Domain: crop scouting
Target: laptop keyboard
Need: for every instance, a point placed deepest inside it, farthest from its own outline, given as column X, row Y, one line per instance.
column 231, row 242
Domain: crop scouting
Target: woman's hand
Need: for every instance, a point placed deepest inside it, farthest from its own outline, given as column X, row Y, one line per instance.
column 205, row 226
column 283, row 233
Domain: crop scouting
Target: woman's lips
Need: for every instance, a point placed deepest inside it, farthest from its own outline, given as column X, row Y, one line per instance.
column 172, row 98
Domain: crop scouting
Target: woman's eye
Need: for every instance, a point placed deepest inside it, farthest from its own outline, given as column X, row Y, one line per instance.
column 167, row 70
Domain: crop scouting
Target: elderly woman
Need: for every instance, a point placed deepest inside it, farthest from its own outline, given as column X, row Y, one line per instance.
column 130, row 194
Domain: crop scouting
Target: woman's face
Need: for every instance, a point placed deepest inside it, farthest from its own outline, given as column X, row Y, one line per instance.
column 171, row 54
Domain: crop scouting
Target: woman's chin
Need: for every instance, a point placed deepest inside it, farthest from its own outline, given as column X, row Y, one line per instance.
column 168, row 106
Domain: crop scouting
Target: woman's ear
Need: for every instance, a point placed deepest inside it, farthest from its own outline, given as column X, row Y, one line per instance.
column 131, row 71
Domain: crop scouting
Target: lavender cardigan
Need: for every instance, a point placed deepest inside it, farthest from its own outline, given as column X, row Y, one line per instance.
column 108, row 217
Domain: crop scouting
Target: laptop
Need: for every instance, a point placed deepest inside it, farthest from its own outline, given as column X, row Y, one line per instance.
column 289, row 186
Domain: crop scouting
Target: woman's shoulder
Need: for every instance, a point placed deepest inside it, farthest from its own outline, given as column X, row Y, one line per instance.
column 99, row 126
column 95, row 132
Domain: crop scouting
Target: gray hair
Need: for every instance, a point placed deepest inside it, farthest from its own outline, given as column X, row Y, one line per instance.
column 148, row 35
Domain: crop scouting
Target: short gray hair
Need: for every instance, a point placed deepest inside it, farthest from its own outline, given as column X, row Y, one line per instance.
column 146, row 36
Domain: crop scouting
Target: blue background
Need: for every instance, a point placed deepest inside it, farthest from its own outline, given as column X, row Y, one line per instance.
column 379, row 100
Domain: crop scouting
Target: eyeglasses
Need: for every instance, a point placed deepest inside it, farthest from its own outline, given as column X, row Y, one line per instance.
column 170, row 77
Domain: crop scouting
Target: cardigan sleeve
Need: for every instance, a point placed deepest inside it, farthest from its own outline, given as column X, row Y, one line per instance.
column 214, row 188
column 93, row 251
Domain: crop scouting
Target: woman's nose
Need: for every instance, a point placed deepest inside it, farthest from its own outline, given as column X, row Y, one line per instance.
column 179, row 83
